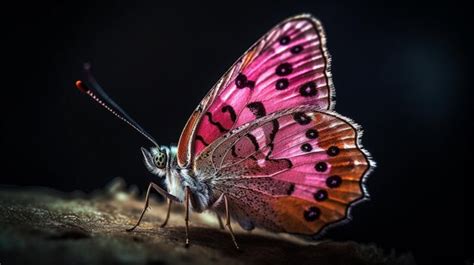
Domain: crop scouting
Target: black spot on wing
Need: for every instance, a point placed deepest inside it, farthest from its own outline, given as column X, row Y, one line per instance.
column 312, row 134
column 257, row 108
column 334, row 181
column 284, row 69
column 312, row 214
column 296, row 49
column 333, row 151
column 241, row 82
column 284, row 40
column 301, row 118
column 306, row 147
column 282, row 84
column 308, row 89
column 320, row 195
column 321, row 166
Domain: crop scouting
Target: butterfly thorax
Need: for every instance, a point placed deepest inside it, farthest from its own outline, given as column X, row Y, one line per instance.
column 163, row 162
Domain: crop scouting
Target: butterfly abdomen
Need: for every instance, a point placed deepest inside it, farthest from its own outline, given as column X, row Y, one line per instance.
column 201, row 192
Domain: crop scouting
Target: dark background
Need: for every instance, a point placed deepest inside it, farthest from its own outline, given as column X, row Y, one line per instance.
column 400, row 69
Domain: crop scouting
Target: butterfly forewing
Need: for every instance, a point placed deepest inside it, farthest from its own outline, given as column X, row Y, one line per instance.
column 297, row 177
column 287, row 67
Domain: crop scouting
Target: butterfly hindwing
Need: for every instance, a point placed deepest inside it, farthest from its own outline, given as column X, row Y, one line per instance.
column 299, row 171
column 287, row 67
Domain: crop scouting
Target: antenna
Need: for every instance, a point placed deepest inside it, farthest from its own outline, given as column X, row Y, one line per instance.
column 91, row 88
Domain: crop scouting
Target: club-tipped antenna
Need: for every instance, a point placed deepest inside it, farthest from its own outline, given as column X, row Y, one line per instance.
column 90, row 87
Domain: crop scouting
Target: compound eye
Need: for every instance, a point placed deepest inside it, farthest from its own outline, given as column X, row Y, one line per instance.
column 160, row 160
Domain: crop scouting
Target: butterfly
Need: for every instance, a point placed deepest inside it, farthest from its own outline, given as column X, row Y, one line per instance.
column 264, row 147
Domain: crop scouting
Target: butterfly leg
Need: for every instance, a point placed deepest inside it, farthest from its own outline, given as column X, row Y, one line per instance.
column 227, row 221
column 147, row 200
column 221, row 225
column 186, row 217
column 167, row 213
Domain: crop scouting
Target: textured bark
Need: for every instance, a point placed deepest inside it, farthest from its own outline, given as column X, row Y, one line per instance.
column 41, row 226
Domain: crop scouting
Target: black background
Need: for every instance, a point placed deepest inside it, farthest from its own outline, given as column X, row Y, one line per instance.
column 400, row 69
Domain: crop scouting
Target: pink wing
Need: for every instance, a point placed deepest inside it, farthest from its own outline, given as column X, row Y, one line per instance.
column 287, row 67
column 294, row 171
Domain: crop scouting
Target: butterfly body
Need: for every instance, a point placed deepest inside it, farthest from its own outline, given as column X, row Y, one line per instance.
column 265, row 147
column 176, row 178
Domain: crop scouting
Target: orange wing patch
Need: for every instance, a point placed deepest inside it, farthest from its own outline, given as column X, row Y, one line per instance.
column 185, row 140
column 291, row 211
column 248, row 58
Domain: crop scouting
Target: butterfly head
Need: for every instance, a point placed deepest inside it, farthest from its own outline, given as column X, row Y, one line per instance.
column 157, row 159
